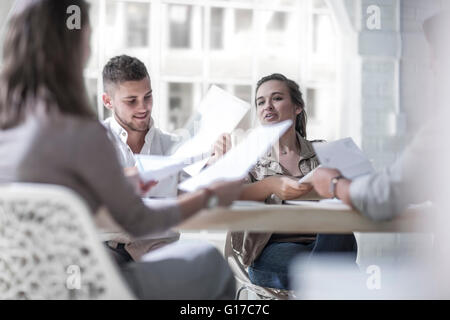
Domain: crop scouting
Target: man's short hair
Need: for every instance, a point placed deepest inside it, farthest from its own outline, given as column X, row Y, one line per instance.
column 121, row 69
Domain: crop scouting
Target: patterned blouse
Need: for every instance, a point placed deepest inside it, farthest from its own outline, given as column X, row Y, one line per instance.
column 249, row 245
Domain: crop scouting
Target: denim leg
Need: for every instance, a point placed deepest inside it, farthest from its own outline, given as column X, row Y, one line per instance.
column 271, row 268
column 335, row 244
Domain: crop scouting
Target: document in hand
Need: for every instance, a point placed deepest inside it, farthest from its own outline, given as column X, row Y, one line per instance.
column 345, row 156
column 239, row 160
column 308, row 177
column 156, row 168
column 220, row 112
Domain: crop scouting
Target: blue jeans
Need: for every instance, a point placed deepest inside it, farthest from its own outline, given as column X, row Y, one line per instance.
column 271, row 268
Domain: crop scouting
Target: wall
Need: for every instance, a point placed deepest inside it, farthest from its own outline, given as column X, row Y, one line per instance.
column 385, row 91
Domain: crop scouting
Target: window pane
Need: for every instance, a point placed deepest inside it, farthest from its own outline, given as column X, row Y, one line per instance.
column 311, row 103
column 182, row 53
column 319, row 4
column 280, row 30
column 278, row 22
column 243, row 92
column 180, row 26
column 220, row 85
column 243, row 20
column 5, row 7
column 180, row 104
column 217, row 20
column 137, row 24
column 91, row 87
column 235, row 59
column 324, row 37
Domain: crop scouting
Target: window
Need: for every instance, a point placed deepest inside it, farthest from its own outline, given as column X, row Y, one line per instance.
column 217, row 21
column 180, row 104
column 277, row 22
column 137, row 26
column 180, row 26
column 189, row 45
column 243, row 92
column 243, row 20
column 311, row 104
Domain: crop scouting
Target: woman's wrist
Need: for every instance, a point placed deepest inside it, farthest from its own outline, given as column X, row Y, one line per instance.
column 270, row 184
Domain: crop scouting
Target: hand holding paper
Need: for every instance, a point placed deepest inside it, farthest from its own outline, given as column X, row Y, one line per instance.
column 345, row 156
column 239, row 160
column 219, row 113
column 308, row 178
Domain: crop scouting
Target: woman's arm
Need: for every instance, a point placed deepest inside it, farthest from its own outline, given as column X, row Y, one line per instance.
column 286, row 188
column 96, row 167
column 257, row 191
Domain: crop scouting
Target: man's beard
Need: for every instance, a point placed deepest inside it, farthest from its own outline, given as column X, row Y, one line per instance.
column 143, row 128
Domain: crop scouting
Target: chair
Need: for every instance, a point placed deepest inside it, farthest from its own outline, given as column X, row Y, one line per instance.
column 49, row 248
column 243, row 279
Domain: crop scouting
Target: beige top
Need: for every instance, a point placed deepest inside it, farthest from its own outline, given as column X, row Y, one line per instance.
column 249, row 245
column 77, row 153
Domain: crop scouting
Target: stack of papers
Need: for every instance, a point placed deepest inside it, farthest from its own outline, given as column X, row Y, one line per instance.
column 308, row 177
column 345, row 156
column 239, row 160
column 219, row 112
column 157, row 168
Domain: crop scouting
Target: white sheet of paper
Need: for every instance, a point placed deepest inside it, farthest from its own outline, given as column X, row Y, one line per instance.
column 196, row 168
column 345, row 156
column 239, row 160
column 308, row 177
column 156, row 168
column 220, row 112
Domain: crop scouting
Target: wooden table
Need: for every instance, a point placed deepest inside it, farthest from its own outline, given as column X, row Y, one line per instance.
column 306, row 218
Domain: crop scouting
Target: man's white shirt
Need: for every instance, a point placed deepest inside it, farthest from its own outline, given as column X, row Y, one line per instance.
column 157, row 142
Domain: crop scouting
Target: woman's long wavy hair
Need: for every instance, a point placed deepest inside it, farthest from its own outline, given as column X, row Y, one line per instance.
column 43, row 62
column 296, row 97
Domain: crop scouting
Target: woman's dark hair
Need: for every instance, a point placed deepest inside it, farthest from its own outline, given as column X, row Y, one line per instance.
column 296, row 97
column 43, row 61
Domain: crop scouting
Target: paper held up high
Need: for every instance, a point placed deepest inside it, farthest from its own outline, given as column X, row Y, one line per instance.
column 345, row 156
column 219, row 112
column 239, row 160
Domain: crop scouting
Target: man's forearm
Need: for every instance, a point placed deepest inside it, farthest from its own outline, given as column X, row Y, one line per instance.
column 191, row 203
column 343, row 191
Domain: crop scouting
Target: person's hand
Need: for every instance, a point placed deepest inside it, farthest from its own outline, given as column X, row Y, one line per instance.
column 227, row 192
column 287, row 188
column 321, row 181
column 140, row 187
column 220, row 148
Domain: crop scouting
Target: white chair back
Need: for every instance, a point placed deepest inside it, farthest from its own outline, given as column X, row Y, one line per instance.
column 49, row 247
